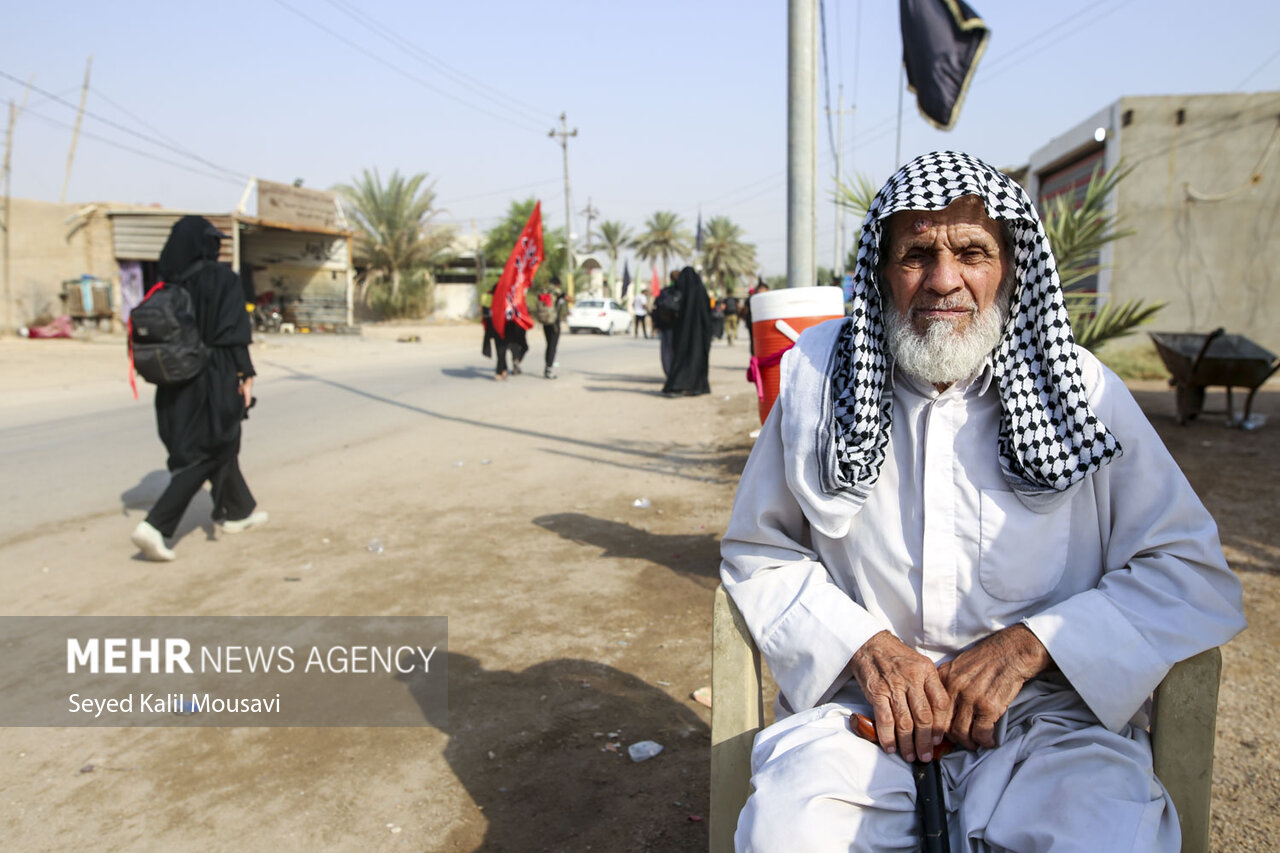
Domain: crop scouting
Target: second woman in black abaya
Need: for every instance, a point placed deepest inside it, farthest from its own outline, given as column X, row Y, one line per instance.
column 691, row 338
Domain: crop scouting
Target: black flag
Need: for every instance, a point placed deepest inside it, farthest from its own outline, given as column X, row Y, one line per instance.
column 942, row 41
column 626, row 278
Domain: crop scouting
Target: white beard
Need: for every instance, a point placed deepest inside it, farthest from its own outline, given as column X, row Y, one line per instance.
column 941, row 355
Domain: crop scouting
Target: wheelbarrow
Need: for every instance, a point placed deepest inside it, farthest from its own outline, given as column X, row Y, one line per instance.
column 1196, row 361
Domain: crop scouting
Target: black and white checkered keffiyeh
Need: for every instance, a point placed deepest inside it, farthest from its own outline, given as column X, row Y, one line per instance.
column 1049, row 437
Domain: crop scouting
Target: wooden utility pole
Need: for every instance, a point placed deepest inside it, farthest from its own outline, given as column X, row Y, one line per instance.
column 564, row 133
column 7, row 179
column 8, row 220
column 75, row 135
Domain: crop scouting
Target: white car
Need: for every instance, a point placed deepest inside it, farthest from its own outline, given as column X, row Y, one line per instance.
column 598, row 315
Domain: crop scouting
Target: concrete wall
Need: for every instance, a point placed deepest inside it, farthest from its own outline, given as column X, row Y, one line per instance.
column 1204, row 198
column 50, row 243
column 456, row 301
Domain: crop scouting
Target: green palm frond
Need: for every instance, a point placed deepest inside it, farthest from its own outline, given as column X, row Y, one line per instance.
column 1078, row 232
column 663, row 239
column 725, row 256
column 614, row 237
column 1094, row 326
column 856, row 196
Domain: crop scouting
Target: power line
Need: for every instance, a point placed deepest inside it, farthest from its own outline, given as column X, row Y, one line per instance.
column 826, row 81
column 475, row 85
column 1255, row 71
column 522, row 124
column 174, row 148
column 147, row 154
column 160, row 133
column 501, row 192
column 1055, row 32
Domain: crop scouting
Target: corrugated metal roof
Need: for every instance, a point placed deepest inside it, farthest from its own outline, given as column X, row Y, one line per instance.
column 141, row 235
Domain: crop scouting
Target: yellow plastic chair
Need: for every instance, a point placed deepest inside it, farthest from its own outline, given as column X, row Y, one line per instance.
column 1182, row 730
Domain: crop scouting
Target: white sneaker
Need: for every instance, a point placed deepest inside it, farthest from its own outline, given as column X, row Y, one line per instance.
column 240, row 525
column 151, row 543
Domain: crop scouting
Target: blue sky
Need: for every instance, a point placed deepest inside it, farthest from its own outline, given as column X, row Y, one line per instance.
column 678, row 105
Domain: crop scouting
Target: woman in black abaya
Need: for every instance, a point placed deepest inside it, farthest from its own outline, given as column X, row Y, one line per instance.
column 691, row 338
column 199, row 420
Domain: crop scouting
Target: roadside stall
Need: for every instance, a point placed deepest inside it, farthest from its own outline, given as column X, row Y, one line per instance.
column 294, row 255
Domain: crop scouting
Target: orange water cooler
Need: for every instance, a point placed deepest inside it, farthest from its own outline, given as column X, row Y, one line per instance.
column 777, row 319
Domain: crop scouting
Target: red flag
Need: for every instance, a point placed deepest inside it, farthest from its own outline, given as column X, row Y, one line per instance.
column 656, row 285
column 509, row 295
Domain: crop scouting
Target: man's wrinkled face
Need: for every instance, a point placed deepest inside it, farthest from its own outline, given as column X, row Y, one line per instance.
column 944, row 266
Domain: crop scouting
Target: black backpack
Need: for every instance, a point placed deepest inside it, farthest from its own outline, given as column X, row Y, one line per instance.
column 164, row 343
column 666, row 308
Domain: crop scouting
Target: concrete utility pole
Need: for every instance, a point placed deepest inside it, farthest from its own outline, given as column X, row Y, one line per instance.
column 75, row 135
column 564, row 133
column 802, row 142
column 592, row 214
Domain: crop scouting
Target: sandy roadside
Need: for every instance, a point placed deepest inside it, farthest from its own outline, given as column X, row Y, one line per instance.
column 578, row 623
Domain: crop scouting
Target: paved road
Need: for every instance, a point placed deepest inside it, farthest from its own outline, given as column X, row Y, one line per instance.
column 91, row 453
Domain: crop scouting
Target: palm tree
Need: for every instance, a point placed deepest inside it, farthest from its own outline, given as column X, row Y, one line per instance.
column 725, row 257
column 394, row 233
column 614, row 237
column 663, row 240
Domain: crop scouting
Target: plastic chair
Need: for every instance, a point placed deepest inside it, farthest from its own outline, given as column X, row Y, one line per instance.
column 1182, row 729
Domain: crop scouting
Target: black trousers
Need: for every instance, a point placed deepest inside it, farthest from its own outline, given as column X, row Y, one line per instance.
column 552, row 331
column 232, row 499
column 515, row 342
column 640, row 326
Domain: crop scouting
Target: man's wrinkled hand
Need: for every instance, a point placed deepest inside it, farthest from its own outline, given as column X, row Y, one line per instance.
column 984, row 680
column 911, row 705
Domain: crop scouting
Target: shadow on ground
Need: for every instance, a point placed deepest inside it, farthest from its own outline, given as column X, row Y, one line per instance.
column 142, row 496
column 468, row 372
column 694, row 554
column 516, row 737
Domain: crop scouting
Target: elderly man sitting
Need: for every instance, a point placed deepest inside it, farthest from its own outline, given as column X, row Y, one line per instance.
column 960, row 524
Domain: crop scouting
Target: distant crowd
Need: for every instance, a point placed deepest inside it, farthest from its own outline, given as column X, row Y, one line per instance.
column 683, row 316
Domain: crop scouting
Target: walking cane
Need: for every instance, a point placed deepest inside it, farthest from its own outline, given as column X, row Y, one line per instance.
column 930, row 802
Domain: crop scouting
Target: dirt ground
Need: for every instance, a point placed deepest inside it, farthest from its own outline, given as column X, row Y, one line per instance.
column 578, row 623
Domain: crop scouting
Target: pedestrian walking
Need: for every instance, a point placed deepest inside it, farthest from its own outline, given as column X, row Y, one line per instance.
column 690, row 338
column 486, row 320
column 731, row 307
column 514, row 340
column 761, row 287
column 199, row 420
column 640, row 308
column 550, row 311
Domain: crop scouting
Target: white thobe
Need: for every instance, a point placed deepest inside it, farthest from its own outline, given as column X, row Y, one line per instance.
column 1120, row 580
